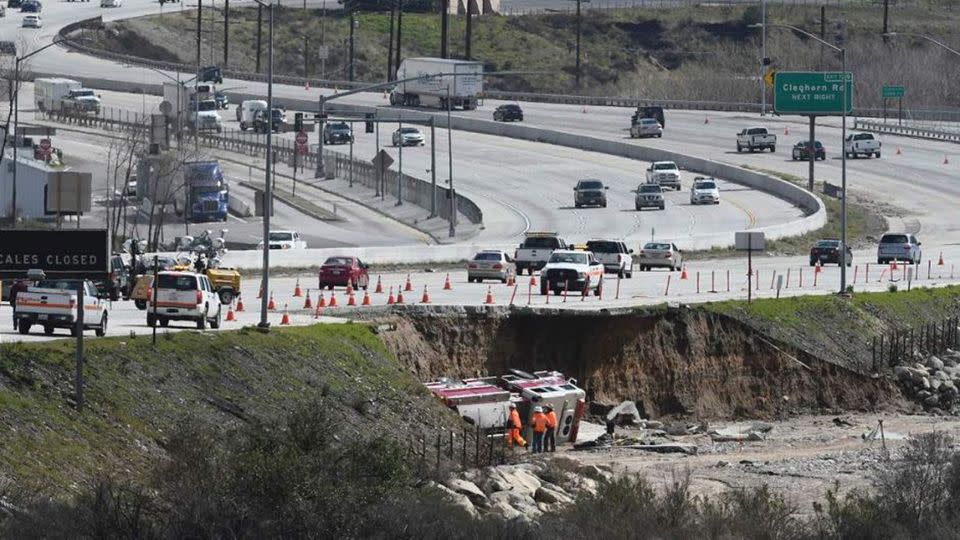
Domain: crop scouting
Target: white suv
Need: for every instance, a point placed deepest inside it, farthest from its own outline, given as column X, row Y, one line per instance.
column 183, row 296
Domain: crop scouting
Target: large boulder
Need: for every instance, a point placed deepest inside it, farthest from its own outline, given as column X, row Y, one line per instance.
column 552, row 495
column 500, row 504
column 523, row 504
column 467, row 488
column 593, row 472
column 457, row 499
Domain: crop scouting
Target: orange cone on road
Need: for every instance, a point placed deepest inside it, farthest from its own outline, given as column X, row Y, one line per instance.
column 683, row 273
column 333, row 299
column 271, row 305
column 893, row 265
column 307, row 304
column 379, row 289
column 349, row 288
column 390, row 299
column 817, row 269
column 285, row 320
column 239, row 304
column 296, row 290
column 351, row 300
column 489, row 299
column 940, row 262
column 399, row 294
column 409, row 286
column 322, row 303
column 786, row 130
column 446, row 283
column 425, row 299
column 899, row 152
column 366, row 299
column 230, row 316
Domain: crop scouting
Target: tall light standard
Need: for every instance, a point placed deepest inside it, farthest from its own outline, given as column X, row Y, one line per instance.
column 453, row 196
column 763, row 56
column 16, row 120
column 267, row 180
column 843, row 139
column 921, row 36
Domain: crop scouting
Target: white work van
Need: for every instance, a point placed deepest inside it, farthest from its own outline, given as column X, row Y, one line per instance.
column 248, row 110
column 49, row 92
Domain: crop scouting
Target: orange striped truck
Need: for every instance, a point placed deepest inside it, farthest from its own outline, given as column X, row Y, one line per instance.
column 52, row 304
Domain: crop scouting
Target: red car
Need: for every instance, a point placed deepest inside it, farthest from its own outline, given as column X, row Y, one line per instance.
column 343, row 270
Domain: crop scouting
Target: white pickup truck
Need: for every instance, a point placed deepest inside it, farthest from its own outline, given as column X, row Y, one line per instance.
column 861, row 144
column 52, row 303
column 664, row 173
column 184, row 296
column 535, row 250
column 569, row 270
column 615, row 256
column 756, row 138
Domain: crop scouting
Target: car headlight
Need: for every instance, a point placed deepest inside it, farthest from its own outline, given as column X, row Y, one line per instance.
column 582, row 275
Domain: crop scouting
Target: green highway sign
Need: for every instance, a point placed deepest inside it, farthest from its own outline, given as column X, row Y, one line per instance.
column 893, row 91
column 811, row 92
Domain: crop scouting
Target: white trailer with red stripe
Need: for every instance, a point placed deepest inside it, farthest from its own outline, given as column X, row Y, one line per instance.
column 52, row 304
column 485, row 402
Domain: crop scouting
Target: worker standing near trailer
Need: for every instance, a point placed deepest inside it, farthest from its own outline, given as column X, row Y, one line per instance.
column 539, row 423
column 550, row 438
column 513, row 428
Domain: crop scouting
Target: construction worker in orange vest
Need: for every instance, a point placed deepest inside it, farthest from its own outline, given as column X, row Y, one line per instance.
column 550, row 439
column 513, row 428
column 539, row 423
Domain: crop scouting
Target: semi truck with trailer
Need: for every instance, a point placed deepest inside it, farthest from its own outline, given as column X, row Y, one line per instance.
column 437, row 80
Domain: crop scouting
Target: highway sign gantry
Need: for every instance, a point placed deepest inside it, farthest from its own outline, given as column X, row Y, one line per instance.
column 812, row 93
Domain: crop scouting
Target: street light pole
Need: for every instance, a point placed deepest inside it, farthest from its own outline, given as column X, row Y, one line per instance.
column 453, row 195
column 921, row 36
column 763, row 57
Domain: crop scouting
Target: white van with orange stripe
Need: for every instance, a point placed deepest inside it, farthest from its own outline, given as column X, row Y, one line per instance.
column 183, row 296
column 53, row 304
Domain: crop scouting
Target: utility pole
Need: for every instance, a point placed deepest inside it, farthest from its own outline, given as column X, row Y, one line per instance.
column 578, row 44
column 226, row 32
column 886, row 12
column 399, row 28
column 196, row 100
column 353, row 25
column 393, row 15
column 763, row 57
column 444, row 28
column 823, row 32
column 469, row 33
column 259, row 35
column 306, row 57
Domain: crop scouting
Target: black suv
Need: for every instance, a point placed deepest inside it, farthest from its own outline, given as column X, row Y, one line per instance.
column 118, row 284
column 337, row 133
column 648, row 112
column 590, row 193
column 508, row 113
column 260, row 120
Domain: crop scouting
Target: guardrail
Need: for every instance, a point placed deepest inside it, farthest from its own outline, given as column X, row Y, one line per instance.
column 907, row 131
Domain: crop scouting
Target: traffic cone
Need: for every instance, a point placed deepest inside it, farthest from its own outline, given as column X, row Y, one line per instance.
column 351, row 300
column 899, row 152
column 511, row 281
column 366, row 299
column 817, row 269
column 296, row 290
column 683, row 273
column 940, row 262
column 239, row 304
column 379, row 289
column 271, row 305
column 322, row 303
column 425, row 299
column 399, row 294
column 583, row 110
column 786, row 130
column 308, row 304
column 390, row 299
column 706, row 119
column 946, row 160
column 333, row 299
column 230, row 316
column 409, row 286
column 893, row 265
column 489, row 300
column 285, row 320
column 307, row 86
column 349, row 288
column 446, row 283
column 533, row 281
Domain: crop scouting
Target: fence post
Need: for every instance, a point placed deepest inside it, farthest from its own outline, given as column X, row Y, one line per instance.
column 438, row 451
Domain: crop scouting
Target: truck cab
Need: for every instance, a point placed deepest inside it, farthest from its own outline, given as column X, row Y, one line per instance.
column 568, row 270
column 535, row 250
column 53, row 303
column 82, row 100
column 203, row 115
column 208, row 193
column 756, row 138
column 247, row 111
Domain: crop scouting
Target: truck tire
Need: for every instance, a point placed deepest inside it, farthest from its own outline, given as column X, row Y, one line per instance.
column 215, row 323
column 47, row 330
column 226, row 296
column 543, row 288
column 202, row 320
column 878, row 155
column 596, row 291
column 23, row 327
column 102, row 329
column 164, row 322
column 773, row 149
column 141, row 304
column 739, row 148
column 151, row 320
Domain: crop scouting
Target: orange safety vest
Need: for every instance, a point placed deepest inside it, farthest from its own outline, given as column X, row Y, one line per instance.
column 539, row 422
column 515, row 419
column 551, row 420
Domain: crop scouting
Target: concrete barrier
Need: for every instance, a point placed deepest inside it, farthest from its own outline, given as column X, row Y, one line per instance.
column 239, row 207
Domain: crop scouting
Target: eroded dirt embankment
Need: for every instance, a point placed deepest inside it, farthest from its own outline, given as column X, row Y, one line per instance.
column 670, row 361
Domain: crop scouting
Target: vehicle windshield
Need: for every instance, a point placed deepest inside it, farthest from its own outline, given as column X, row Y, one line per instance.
column 603, row 246
column 650, row 188
column 828, row 244
column 863, row 137
column 208, row 105
column 487, row 257
column 664, row 166
column 571, row 258
column 62, row 284
column 339, row 127
column 591, row 184
column 656, row 246
column 409, row 130
column 894, row 239
column 705, row 185
column 541, row 242
column 649, row 121
column 177, row 282
column 511, row 107
column 83, row 93
column 338, row 261
column 281, row 236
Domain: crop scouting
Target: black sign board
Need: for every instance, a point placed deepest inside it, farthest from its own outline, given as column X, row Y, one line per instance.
column 62, row 254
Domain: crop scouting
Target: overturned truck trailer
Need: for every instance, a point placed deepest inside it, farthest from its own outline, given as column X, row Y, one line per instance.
column 485, row 401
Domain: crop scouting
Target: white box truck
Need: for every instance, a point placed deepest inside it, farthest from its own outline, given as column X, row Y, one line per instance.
column 49, row 92
column 463, row 80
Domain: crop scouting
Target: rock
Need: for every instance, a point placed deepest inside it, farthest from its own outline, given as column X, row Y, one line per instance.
column 931, row 401
column 552, row 496
column 652, row 424
column 903, row 373
column 494, row 482
column 925, row 383
column 923, row 394
column 721, row 464
column 520, row 481
column 934, row 363
column 522, row 504
column 467, row 488
column 593, row 472
column 935, row 384
column 564, row 463
column 500, row 504
column 582, row 484
column 457, row 499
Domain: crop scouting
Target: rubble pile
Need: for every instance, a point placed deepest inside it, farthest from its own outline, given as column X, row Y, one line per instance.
column 934, row 383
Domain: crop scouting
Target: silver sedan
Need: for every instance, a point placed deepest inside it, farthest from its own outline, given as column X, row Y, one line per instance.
column 646, row 127
column 490, row 264
column 660, row 255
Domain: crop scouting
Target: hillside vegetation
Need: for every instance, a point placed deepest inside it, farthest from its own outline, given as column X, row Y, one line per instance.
column 706, row 53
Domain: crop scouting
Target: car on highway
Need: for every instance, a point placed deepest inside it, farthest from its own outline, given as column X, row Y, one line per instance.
column 646, row 127
column 276, row 122
column 111, row 3
column 756, row 138
column 901, row 247
column 14, row 4
column 615, row 256
column 654, row 112
column 337, row 133
column 568, row 270
column 408, row 136
column 508, row 113
column 184, row 296
column 660, row 255
column 801, row 151
column 535, row 250
column 490, row 264
column 222, row 99
column 664, row 173
column 649, row 196
column 284, row 240
column 704, row 191
column 209, row 73
column 247, row 111
column 117, row 284
column 53, row 303
column 861, row 144
column 32, row 21
column 590, row 192
column 3, row 10
column 828, row 252
column 31, row 6
column 339, row 271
